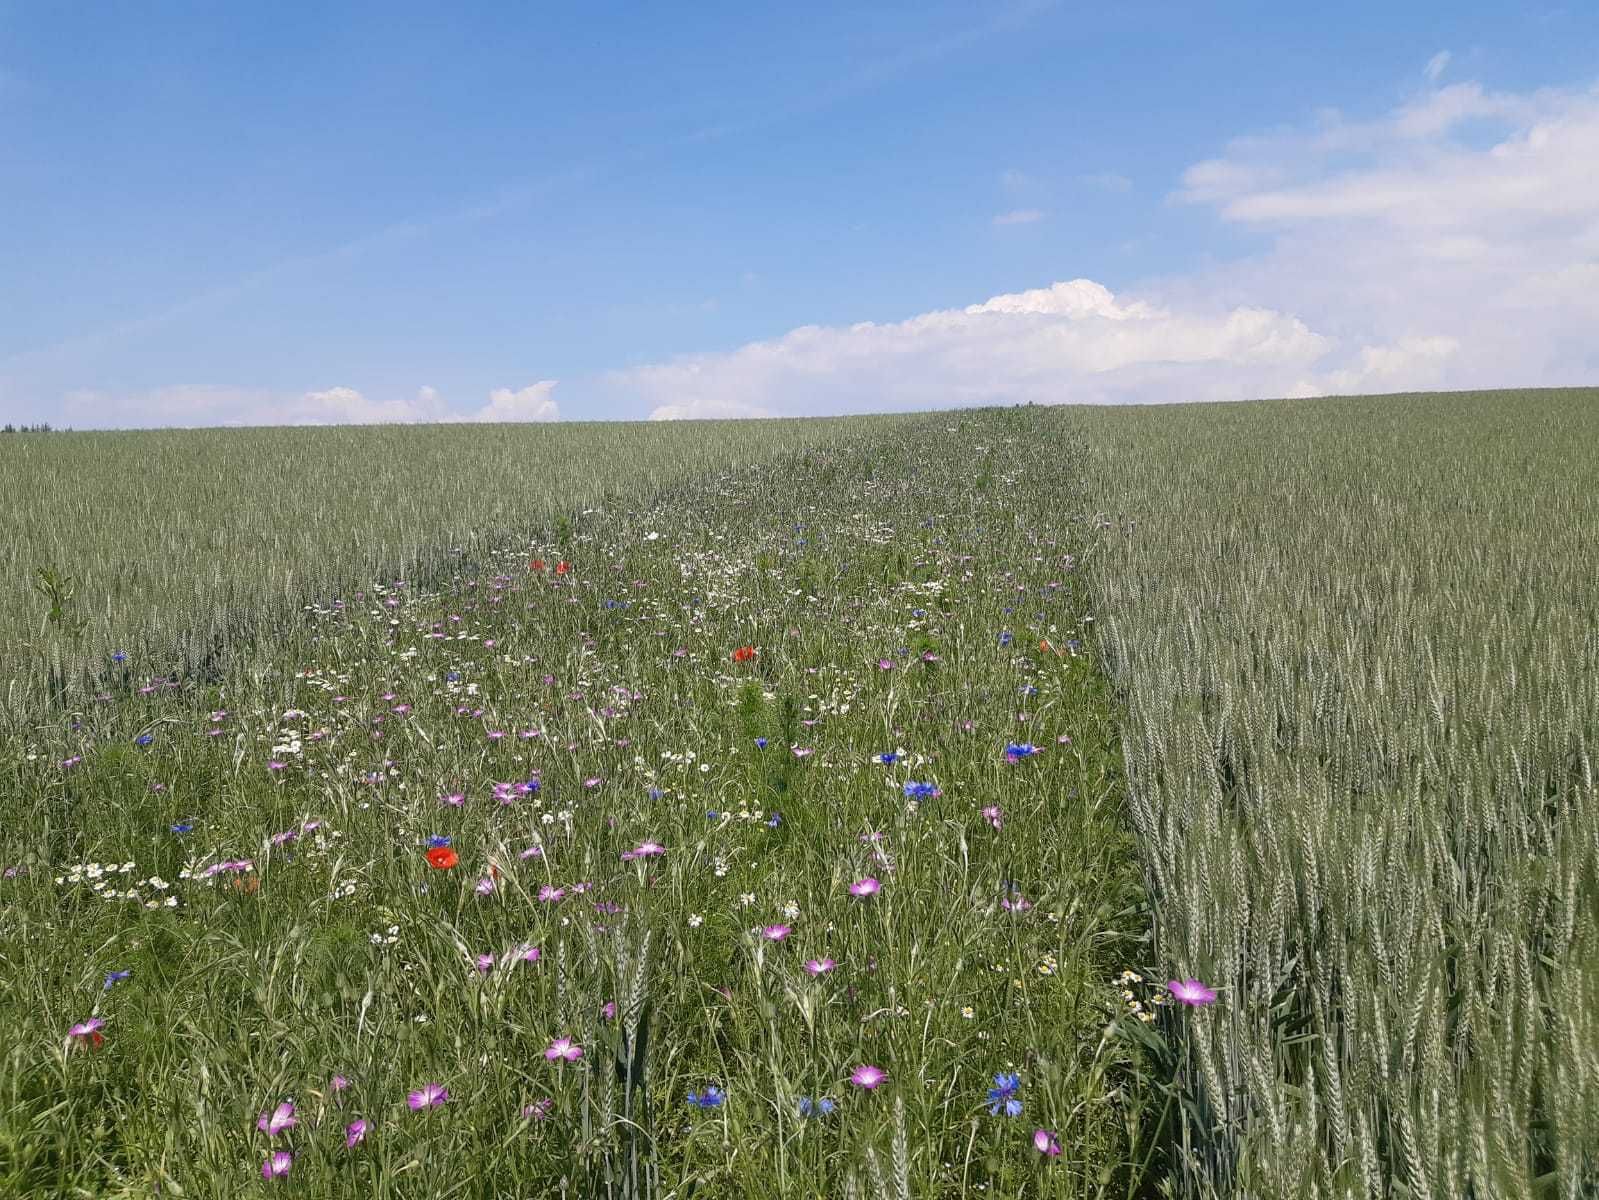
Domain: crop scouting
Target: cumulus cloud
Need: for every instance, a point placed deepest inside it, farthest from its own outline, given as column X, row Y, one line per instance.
column 1070, row 342
column 532, row 403
column 1451, row 243
column 1020, row 216
column 198, row 405
column 1456, row 239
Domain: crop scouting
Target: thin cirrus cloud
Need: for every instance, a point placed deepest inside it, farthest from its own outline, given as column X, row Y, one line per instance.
column 195, row 406
column 1451, row 243
column 1020, row 216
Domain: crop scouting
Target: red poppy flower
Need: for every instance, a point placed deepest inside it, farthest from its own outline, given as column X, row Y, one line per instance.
column 536, row 565
column 561, row 568
column 743, row 654
column 442, row 857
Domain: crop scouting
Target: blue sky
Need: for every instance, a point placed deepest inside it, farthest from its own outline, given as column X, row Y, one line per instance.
column 605, row 211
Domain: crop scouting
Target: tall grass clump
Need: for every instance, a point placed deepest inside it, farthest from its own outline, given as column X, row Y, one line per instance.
column 1357, row 641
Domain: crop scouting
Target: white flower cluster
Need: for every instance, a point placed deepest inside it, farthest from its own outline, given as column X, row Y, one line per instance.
column 109, row 882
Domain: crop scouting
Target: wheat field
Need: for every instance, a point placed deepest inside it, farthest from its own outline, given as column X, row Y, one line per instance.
column 1193, row 801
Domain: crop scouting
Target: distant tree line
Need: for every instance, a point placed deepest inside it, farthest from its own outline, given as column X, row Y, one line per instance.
column 41, row 427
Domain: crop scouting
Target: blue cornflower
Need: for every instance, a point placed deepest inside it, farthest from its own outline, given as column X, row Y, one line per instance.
column 437, row 841
column 530, row 787
column 918, row 613
column 1004, row 637
column 922, row 791
column 182, row 827
column 656, row 793
column 810, row 1108
column 711, row 1097
column 760, row 743
column 712, row 815
column 888, row 759
column 1018, row 750
column 775, row 821
column 1029, row 690
column 452, row 676
column 1003, row 1095
column 115, row 977
column 144, row 739
column 119, row 657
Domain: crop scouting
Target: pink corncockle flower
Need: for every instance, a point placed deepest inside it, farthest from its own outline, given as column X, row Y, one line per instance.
column 454, row 799
column 496, row 734
column 338, row 1084
column 1046, row 1142
column 1016, row 903
column 485, row 963
column 532, row 852
column 87, row 1032
column 868, row 1077
column 538, row 1110
column 275, row 765
column 865, row 887
column 802, row 751
column 885, row 664
column 1191, row 992
column 563, row 1050
column 608, row 1011
column 277, row 1165
column 527, row 954
column 484, row 886
column 355, row 1133
column 775, row 933
column 593, row 781
column 429, row 1095
column 820, row 966
column 552, row 895
column 648, row 849
column 993, row 816
column 278, row 1120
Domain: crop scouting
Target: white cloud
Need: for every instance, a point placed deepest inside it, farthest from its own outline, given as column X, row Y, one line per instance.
column 199, row 405
column 1451, row 243
column 1435, row 66
column 532, row 403
column 1021, row 216
column 1073, row 341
